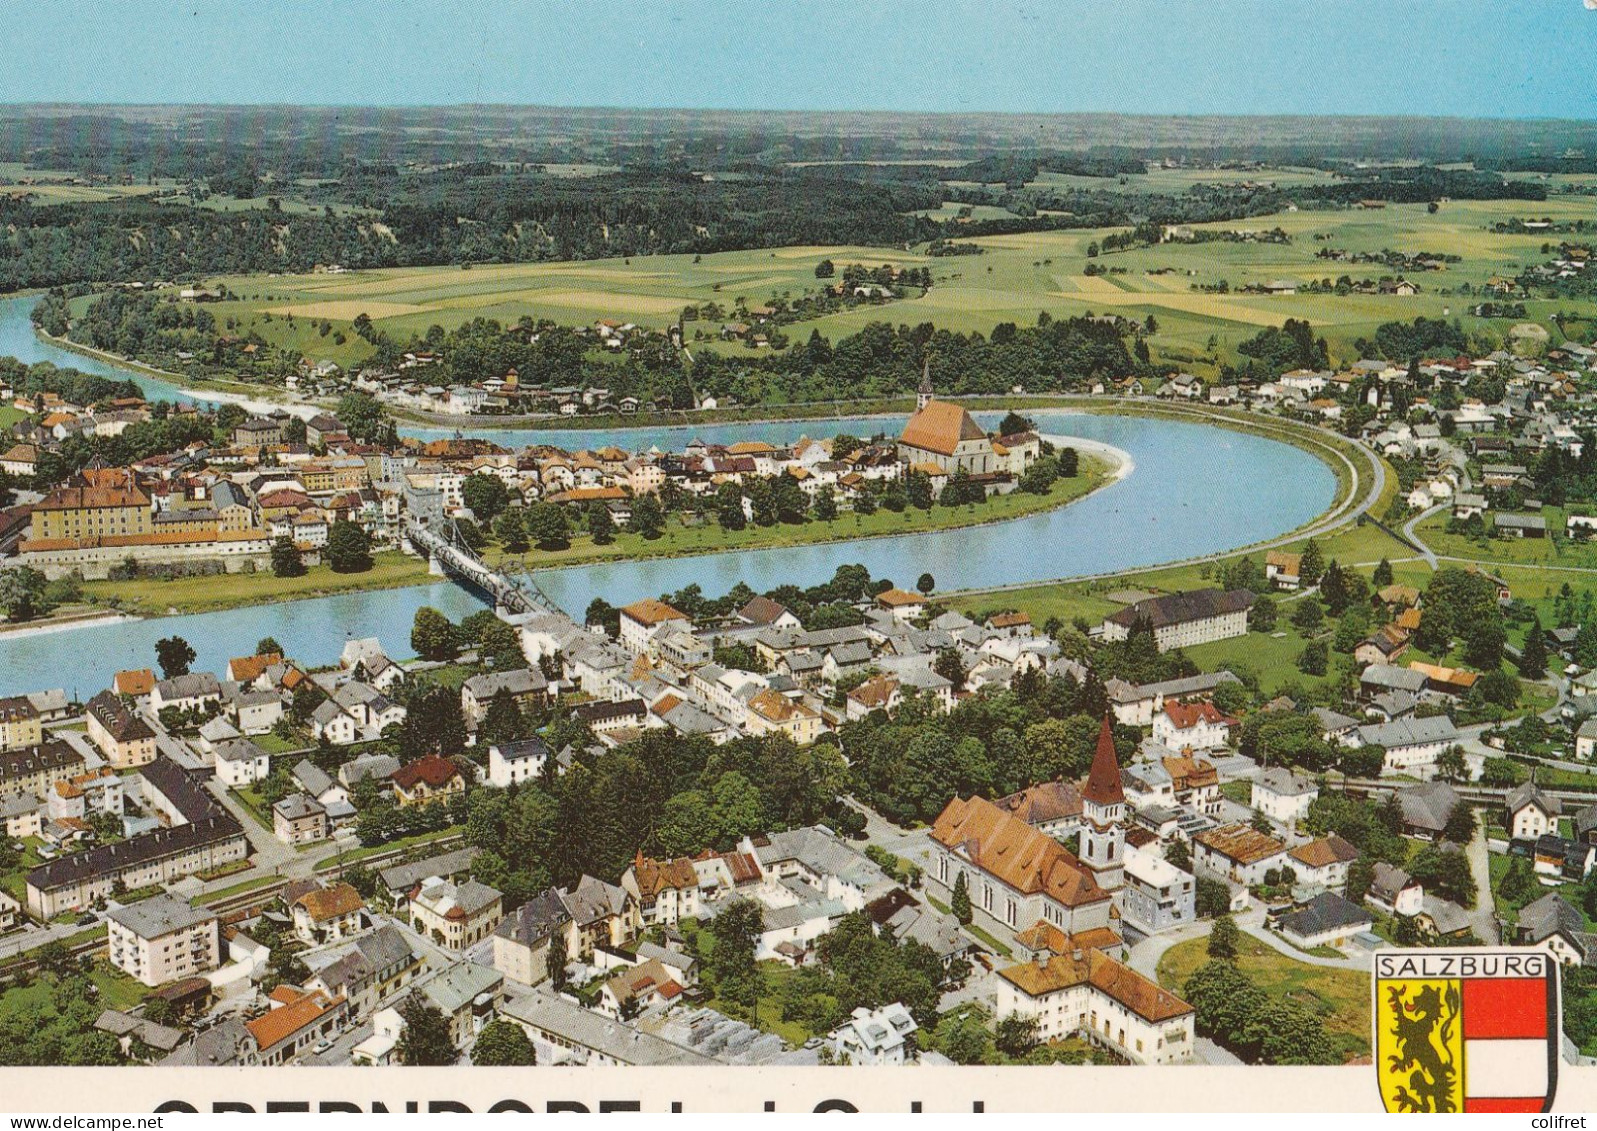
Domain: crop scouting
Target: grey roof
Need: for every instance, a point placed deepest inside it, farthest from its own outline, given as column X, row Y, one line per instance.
column 526, row 748
column 1428, row 806
column 1392, row 676
column 1551, row 915
column 1395, row 704
column 1585, row 820
column 222, row 1044
column 162, row 1038
column 194, row 685
column 1333, row 721
column 468, row 897
column 1190, row 685
column 312, row 777
column 1386, row 880
column 403, row 877
column 1325, row 912
column 457, row 986
column 380, row 766
column 159, row 915
column 298, row 806
column 523, row 681
column 1409, row 732
column 822, row 852
column 238, row 750
column 1527, row 793
column 1448, row 916
column 548, row 1013
column 592, row 900
column 536, row 919
column 673, row 958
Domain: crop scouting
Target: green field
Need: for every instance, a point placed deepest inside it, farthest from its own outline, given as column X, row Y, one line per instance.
column 1016, row 278
column 1340, row 997
column 155, row 597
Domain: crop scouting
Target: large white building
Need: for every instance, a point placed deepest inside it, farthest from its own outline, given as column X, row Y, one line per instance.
column 1182, row 620
column 1085, row 993
column 162, row 939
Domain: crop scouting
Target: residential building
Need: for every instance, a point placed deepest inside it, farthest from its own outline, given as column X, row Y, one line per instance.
column 1531, row 813
column 33, row 771
column 511, row 763
column 428, row 779
column 20, row 724
column 1193, row 726
column 1412, row 745
column 642, row 619
column 1238, row 853
column 875, row 1037
column 455, row 916
column 161, row 939
column 1323, row 862
column 1394, row 890
column 1156, row 896
column 1283, row 796
column 329, row 914
column 297, row 1020
column 1326, row 920
column 299, row 819
column 123, row 737
column 667, row 891
column 525, row 687
column 239, row 762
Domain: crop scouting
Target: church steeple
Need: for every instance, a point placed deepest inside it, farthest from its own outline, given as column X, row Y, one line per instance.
column 1103, row 808
column 923, row 396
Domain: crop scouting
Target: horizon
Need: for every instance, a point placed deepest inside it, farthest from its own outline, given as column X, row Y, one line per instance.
column 1238, row 58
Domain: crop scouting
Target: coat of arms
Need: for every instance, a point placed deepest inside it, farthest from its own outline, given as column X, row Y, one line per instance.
column 1472, row 1030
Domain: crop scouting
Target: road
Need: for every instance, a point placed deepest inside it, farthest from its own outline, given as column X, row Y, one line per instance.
column 1483, row 919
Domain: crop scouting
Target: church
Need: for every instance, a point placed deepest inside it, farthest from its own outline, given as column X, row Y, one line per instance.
column 948, row 437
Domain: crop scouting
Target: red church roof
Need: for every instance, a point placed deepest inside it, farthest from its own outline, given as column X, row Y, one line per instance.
column 1103, row 781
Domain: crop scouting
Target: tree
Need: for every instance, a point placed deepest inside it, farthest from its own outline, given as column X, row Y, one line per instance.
column 1314, row 658
column 601, row 526
column 948, row 665
column 503, row 1044
column 1262, row 617
column 1211, row 898
column 1223, row 938
column 425, row 1040
column 648, row 517
column 349, row 548
column 1502, row 773
column 1360, row 875
column 1383, row 574
column 556, row 959
column 1450, row 766
column 547, row 527
column 1179, row 855
column 286, row 558
column 825, row 269
column 502, row 722
column 736, row 931
column 1311, row 565
column 174, row 656
column 268, row 646
column 959, row 901
column 511, row 530
column 1533, row 656
column 1015, row 1036
column 433, row 636
column 1308, row 617
column 825, row 505
column 926, row 583
column 486, row 495
column 1460, row 827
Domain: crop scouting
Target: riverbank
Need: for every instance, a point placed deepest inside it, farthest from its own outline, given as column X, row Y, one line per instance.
column 63, row 623
column 248, row 397
column 1100, row 465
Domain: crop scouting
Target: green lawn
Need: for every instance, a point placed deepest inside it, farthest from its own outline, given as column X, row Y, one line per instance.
column 356, row 855
column 15, row 882
column 252, row 800
column 235, row 889
column 774, row 977
column 1497, row 865
column 275, row 744
column 1340, row 997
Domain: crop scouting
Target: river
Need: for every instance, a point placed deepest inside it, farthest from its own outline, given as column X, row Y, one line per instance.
column 1196, row 489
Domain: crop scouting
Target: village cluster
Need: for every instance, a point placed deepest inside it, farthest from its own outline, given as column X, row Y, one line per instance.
column 283, row 480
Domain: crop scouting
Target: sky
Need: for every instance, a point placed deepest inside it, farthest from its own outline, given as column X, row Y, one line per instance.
column 1466, row 58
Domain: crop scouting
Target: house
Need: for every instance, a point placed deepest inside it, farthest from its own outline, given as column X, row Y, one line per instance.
column 771, row 712
column 1238, row 853
column 642, row 619
column 1323, row 862
column 903, row 604
column 1394, row 890
column 1412, row 745
column 330, row 721
column 1182, row 620
column 299, row 819
column 123, row 737
column 1137, row 705
column 329, row 914
column 1283, row 796
column 297, row 1020
column 1558, row 927
column 1427, row 808
column 455, row 916
column 1157, row 895
column 1193, row 726
column 638, row 988
column 1529, row 813
column 1326, row 920
column 524, row 686
column 588, row 914
column 875, row 1037
column 365, row 970
column 666, row 891
column 1282, row 569
column 1561, row 858
column 1053, row 807
column 161, row 939
column 1085, row 993
column 762, row 612
column 564, row 1033
column 20, row 724
column 428, row 779
column 511, row 763
column 195, row 691
column 239, row 762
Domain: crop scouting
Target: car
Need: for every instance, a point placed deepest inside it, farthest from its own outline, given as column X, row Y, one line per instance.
column 322, row 1045
column 88, row 919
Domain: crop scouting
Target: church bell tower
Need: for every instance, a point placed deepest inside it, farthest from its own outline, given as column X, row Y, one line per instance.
column 1103, row 812
column 923, row 395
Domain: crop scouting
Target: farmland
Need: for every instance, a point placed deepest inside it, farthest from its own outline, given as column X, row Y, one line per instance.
column 1013, row 280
